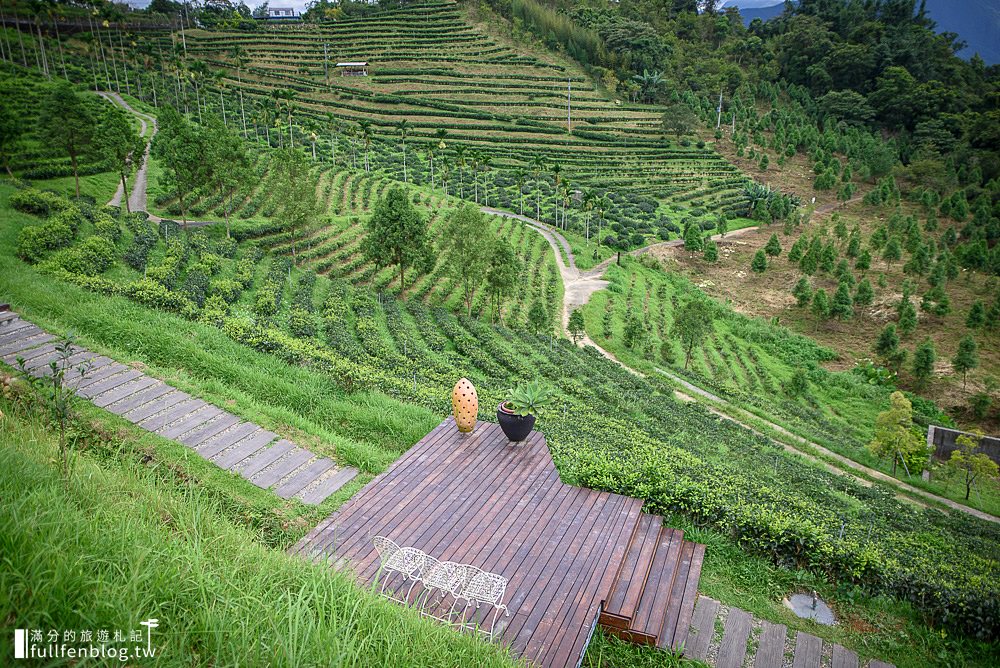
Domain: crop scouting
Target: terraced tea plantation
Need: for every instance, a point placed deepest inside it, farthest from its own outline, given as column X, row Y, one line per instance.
column 608, row 429
column 482, row 120
column 744, row 359
column 335, row 251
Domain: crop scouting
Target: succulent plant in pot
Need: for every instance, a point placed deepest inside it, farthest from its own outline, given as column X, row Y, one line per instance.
column 516, row 414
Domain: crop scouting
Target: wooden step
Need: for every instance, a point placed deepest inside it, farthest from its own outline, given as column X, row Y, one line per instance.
column 683, row 596
column 627, row 588
column 654, row 599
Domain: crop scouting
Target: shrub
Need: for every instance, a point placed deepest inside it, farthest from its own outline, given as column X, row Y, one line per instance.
column 226, row 289
column 36, row 241
column 108, row 227
column 93, row 256
column 38, row 202
column 301, row 323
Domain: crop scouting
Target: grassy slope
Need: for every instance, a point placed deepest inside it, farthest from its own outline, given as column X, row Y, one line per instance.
column 131, row 537
column 849, row 412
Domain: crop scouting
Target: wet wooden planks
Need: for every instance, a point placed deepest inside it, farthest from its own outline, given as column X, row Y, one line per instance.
column 219, row 436
column 481, row 500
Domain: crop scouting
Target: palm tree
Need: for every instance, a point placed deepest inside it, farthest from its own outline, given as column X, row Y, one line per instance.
column 403, row 127
column 312, row 139
column 486, row 164
column 365, row 127
column 440, row 145
column 265, row 112
column 589, row 199
column 352, row 139
column 537, row 167
column 460, row 163
column 37, row 9
column 602, row 206
column 445, row 173
column 111, row 14
column 54, row 14
column 331, row 124
column 121, row 44
column 557, row 173
column 474, row 161
column 5, row 52
column 565, row 190
column 239, row 57
column 20, row 40
column 289, row 96
column 521, row 176
column 219, row 76
column 197, row 71
column 429, row 151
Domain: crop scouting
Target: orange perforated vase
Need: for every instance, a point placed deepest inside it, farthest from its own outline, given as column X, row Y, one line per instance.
column 465, row 405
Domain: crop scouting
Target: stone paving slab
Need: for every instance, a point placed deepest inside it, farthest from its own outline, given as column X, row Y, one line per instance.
column 215, row 434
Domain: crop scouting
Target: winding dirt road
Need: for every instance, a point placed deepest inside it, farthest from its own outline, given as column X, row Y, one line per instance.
column 580, row 285
column 137, row 198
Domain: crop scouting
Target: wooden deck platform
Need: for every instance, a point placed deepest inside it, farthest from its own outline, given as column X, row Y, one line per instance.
column 565, row 550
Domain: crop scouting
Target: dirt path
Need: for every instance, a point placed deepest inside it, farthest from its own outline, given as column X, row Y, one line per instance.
column 137, row 198
column 580, row 285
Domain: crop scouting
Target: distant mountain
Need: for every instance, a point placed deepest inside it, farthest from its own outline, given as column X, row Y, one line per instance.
column 976, row 22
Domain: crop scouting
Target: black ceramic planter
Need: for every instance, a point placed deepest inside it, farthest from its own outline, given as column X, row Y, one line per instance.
column 514, row 426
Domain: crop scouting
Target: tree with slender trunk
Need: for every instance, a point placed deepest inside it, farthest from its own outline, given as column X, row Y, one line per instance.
column 20, row 39
column 474, row 163
column 397, row 235
column 54, row 16
column 331, row 124
column 295, row 189
column 589, row 200
column 365, row 129
column 521, row 177
column 429, row 152
column 238, row 56
column 537, row 167
column 37, row 9
column 68, row 124
column 12, row 127
column 403, row 127
column 181, row 147
column 123, row 147
column 486, row 164
column 602, row 206
column 460, row 157
column 556, row 170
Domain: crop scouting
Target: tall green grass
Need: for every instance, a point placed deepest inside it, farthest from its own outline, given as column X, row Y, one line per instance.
column 118, row 545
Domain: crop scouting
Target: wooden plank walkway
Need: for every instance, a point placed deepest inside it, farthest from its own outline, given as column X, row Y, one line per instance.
column 222, row 438
column 729, row 649
column 481, row 500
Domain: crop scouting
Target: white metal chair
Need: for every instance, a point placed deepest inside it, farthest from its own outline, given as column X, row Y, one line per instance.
column 484, row 587
column 444, row 577
column 407, row 561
